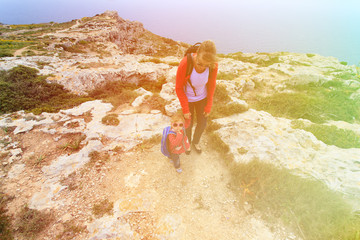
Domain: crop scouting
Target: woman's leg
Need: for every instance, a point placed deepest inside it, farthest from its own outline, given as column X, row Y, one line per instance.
column 189, row 129
column 200, row 120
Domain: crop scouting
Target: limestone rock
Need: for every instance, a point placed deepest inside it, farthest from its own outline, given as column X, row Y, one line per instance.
column 168, row 91
column 258, row 135
column 140, row 99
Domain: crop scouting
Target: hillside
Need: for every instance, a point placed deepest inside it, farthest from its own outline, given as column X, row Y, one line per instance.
column 84, row 162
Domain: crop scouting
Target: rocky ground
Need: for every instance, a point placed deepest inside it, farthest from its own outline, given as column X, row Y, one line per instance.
column 151, row 200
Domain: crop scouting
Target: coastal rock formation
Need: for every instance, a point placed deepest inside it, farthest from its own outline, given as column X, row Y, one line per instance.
column 71, row 161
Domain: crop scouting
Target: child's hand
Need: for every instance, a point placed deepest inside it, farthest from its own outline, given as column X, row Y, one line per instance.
column 187, row 115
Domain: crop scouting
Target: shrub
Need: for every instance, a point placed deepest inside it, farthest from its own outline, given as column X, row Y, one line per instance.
column 22, row 89
column 110, row 119
column 152, row 86
column 115, row 92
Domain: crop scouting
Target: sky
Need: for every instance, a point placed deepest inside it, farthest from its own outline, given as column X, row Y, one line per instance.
column 325, row 27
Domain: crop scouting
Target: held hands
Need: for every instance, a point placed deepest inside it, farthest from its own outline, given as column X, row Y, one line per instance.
column 187, row 115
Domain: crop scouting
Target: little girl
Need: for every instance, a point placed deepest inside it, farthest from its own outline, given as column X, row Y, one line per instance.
column 178, row 142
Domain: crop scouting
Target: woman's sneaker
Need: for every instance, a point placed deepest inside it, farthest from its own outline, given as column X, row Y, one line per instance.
column 197, row 148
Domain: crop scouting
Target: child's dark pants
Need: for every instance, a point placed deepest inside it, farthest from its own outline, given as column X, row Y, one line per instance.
column 176, row 159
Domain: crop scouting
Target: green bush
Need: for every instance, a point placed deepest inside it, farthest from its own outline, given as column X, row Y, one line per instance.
column 22, row 89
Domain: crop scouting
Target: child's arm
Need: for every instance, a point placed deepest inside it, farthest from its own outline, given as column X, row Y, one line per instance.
column 175, row 139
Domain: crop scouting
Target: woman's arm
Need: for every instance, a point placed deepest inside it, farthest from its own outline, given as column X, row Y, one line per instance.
column 180, row 84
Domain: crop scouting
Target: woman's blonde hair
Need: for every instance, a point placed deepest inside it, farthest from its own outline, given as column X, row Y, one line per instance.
column 207, row 52
column 177, row 117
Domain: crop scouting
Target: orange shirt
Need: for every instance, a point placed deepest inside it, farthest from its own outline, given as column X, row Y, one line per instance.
column 181, row 81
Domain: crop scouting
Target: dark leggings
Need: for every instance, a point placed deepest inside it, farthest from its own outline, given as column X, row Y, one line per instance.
column 176, row 160
column 197, row 107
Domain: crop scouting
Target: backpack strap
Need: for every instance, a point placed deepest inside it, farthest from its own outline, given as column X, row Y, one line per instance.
column 168, row 140
column 189, row 69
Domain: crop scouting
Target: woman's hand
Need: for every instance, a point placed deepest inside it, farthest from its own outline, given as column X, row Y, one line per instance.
column 206, row 114
column 187, row 115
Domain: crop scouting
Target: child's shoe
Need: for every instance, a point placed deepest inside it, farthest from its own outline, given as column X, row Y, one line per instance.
column 188, row 152
column 179, row 170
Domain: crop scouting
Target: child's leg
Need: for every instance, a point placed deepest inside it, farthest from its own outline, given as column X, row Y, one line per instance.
column 176, row 159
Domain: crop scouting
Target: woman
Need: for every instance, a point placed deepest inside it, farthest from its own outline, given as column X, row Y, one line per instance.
column 196, row 95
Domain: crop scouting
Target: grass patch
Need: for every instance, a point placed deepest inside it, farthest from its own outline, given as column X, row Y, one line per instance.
column 153, row 60
column 71, row 230
column 32, row 222
column 226, row 76
column 224, row 106
column 115, row 92
column 110, row 119
column 74, row 144
column 260, row 61
column 155, row 102
column 149, row 143
column 102, row 208
column 307, row 206
column 98, row 158
column 330, row 135
column 316, row 102
column 6, row 232
column 8, row 47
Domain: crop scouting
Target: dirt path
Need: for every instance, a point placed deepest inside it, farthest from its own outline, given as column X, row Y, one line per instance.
column 151, row 200
column 20, row 51
column 195, row 204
